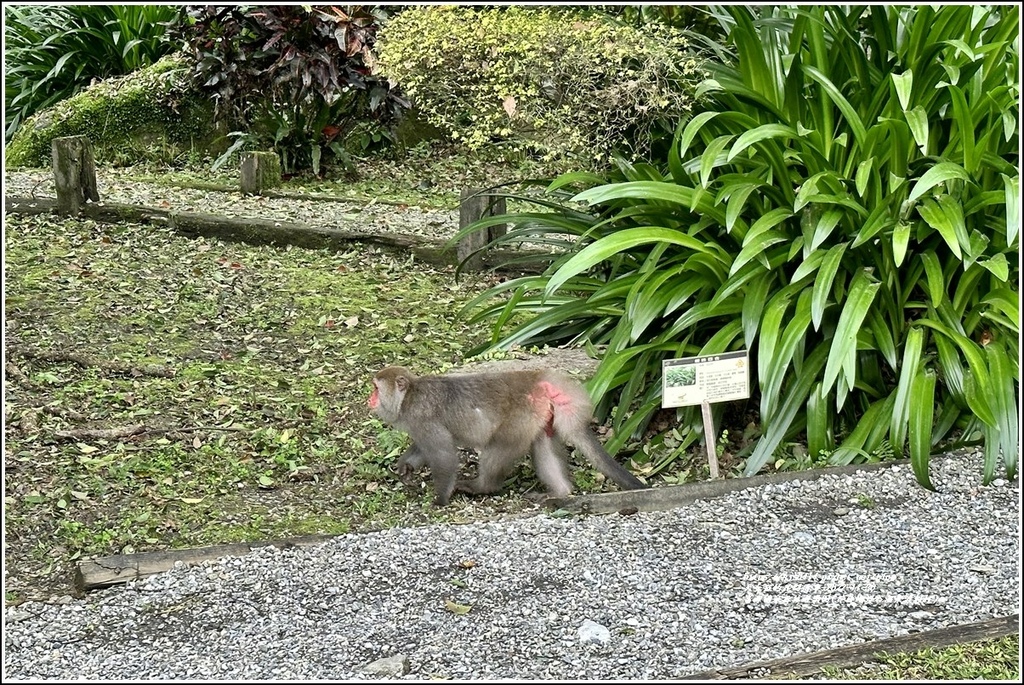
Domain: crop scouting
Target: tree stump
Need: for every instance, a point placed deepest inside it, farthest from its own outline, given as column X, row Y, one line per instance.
column 474, row 205
column 74, row 174
column 260, row 171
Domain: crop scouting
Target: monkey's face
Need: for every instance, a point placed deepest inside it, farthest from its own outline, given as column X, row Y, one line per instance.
column 389, row 388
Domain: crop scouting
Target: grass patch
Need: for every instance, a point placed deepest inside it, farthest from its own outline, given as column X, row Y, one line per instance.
column 429, row 174
column 264, row 432
column 983, row 660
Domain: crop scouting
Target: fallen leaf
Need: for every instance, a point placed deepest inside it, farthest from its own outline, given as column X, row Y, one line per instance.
column 86, row 449
column 456, row 608
column 509, row 104
column 467, row 563
column 191, row 500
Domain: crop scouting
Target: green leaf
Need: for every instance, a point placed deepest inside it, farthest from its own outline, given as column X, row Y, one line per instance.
column 758, row 134
column 712, row 157
column 652, row 191
column 852, row 118
column 997, row 266
column 883, row 337
column 778, row 363
column 936, row 282
column 819, row 423
column 692, row 129
column 937, row 219
column 940, row 173
column 823, row 284
column 922, row 409
column 844, row 342
column 904, row 85
column 917, row 119
column 605, row 247
column 1005, row 401
column 796, row 397
column 900, row 239
column 1006, row 301
column 965, row 124
column 809, row 265
column 977, row 384
column 1012, row 189
column 864, row 170
column 908, row 369
column 756, row 248
column 754, row 301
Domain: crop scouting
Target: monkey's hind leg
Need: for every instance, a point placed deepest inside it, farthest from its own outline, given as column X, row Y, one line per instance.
column 495, row 463
column 549, row 460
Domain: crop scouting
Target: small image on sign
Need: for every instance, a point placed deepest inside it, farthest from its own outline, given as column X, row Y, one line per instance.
column 712, row 378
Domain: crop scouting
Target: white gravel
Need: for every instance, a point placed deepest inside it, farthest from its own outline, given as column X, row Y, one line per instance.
column 114, row 186
column 767, row 572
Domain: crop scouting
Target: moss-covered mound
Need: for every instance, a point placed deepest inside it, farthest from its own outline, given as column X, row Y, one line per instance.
column 153, row 114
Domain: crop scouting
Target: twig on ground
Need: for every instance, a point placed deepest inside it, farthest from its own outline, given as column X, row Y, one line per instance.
column 136, row 429
column 87, row 361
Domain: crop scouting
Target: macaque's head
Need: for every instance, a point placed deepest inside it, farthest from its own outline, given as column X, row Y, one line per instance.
column 389, row 388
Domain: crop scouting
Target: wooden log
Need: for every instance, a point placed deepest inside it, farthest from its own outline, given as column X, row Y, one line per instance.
column 74, row 173
column 672, row 496
column 121, row 568
column 263, row 231
column 475, row 204
column 259, row 171
column 853, row 656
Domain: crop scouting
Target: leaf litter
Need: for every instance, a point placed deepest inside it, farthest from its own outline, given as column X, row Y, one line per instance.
column 260, row 433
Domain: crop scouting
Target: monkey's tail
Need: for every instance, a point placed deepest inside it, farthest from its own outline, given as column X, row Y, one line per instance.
column 595, row 452
column 571, row 410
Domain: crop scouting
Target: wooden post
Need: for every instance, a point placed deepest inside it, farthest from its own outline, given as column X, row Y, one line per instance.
column 260, row 171
column 709, row 438
column 475, row 205
column 74, row 173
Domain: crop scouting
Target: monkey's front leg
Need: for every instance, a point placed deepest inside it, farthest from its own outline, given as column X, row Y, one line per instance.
column 443, row 459
column 410, row 462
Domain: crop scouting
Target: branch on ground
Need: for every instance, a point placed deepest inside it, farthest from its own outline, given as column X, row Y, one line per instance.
column 118, row 432
column 88, row 361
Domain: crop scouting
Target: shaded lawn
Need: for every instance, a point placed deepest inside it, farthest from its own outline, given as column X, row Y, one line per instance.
column 264, row 432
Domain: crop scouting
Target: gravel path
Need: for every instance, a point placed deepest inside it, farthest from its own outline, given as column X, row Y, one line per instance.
column 114, row 186
column 768, row 572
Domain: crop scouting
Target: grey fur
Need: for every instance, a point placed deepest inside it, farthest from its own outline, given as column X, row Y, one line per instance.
column 503, row 415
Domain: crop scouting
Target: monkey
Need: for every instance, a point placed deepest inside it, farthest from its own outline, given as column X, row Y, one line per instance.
column 503, row 415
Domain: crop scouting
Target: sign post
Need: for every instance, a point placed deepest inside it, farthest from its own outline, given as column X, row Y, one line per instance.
column 702, row 380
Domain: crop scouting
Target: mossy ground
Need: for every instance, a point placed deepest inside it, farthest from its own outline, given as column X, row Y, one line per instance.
column 263, row 429
column 982, row 660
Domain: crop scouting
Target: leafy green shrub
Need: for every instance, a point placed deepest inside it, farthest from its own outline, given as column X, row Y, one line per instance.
column 294, row 78
column 693, row 18
column 544, row 80
column 847, row 208
column 123, row 117
column 52, row 52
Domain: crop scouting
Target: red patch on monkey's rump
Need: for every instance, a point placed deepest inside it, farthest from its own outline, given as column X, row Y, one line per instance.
column 554, row 394
column 549, row 397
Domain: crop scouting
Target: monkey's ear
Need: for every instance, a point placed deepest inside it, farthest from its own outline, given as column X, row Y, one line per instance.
column 401, row 382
